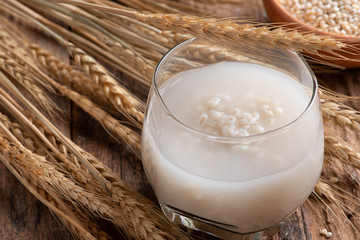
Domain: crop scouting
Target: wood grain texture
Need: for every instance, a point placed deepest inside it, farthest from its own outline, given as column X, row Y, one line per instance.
column 23, row 217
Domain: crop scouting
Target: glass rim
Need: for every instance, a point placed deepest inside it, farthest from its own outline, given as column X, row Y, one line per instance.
column 229, row 139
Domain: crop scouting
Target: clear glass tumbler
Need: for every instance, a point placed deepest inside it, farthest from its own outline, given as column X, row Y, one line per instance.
column 229, row 179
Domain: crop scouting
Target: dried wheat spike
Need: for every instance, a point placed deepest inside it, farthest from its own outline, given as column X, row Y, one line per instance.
column 212, row 53
column 45, row 175
column 129, row 213
column 134, row 204
column 140, row 209
column 248, row 34
column 20, row 72
column 83, row 220
column 166, row 38
column 96, row 230
column 23, row 136
column 8, row 39
column 48, row 177
column 123, row 193
column 53, row 201
column 116, row 129
column 324, row 189
column 124, row 100
column 93, row 229
column 70, row 76
column 229, row 31
column 340, row 114
column 342, row 151
column 172, row 38
column 127, row 55
column 141, row 213
column 339, row 203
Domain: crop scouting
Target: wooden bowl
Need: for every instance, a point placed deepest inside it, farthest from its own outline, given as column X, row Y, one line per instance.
column 278, row 14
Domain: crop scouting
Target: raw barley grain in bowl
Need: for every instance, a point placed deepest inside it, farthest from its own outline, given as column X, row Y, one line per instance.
column 333, row 16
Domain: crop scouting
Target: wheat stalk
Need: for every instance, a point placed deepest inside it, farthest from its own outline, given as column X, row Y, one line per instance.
column 7, row 153
column 340, row 114
column 144, row 219
column 124, row 100
column 95, row 229
column 141, row 209
column 9, row 103
column 113, row 38
column 81, row 176
column 118, row 130
column 10, row 40
column 64, row 160
column 329, row 111
column 229, row 31
column 342, row 203
column 339, row 171
column 70, row 76
column 136, row 4
column 183, row 7
column 16, row 67
column 342, row 151
column 156, row 6
column 87, row 233
column 132, row 37
column 145, row 68
column 89, row 26
column 211, row 53
column 171, row 38
column 115, row 128
column 75, row 221
column 121, row 97
column 21, row 74
column 324, row 189
column 245, row 33
column 92, row 229
column 149, row 6
column 132, row 58
column 120, row 193
column 134, row 204
column 50, row 177
column 165, row 38
column 42, row 173
column 113, row 34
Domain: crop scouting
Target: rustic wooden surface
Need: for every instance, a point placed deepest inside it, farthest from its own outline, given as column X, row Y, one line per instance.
column 23, row 217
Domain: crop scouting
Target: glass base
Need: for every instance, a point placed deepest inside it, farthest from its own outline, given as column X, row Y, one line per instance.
column 220, row 230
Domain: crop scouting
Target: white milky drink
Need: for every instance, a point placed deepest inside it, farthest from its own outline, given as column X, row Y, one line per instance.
column 238, row 144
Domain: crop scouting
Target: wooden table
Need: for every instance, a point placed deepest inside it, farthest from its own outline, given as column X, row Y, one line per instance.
column 23, row 217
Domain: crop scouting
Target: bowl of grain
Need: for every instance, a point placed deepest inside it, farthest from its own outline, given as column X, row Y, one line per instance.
column 336, row 18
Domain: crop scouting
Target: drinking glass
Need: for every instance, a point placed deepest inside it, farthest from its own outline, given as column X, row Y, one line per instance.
column 186, row 166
